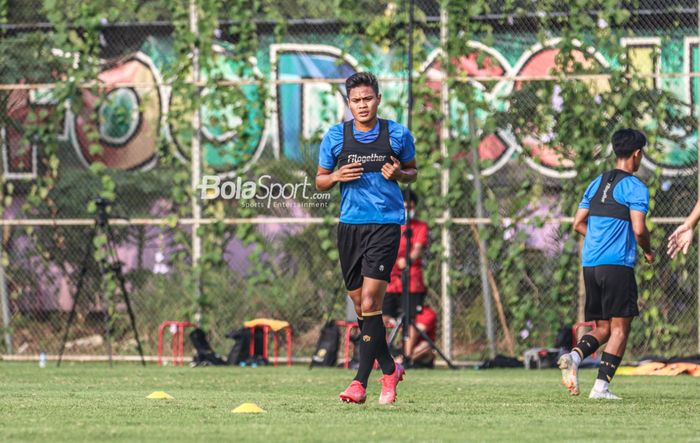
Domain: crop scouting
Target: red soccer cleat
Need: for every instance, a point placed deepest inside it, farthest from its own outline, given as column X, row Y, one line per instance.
column 355, row 393
column 389, row 383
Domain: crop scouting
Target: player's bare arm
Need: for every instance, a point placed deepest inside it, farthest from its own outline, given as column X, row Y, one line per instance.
column 641, row 233
column 326, row 179
column 682, row 237
column 581, row 221
column 400, row 172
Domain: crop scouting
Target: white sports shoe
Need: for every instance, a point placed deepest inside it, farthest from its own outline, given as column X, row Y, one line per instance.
column 606, row 395
column 569, row 373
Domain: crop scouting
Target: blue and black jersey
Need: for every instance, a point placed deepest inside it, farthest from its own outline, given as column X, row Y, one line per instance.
column 609, row 236
column 371, row 198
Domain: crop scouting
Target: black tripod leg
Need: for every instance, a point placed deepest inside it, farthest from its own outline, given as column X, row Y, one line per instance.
column 395, row 331
column 433, row 346
column 78, row 290
column 105, row 312
column 125, row 293
column 132, row 318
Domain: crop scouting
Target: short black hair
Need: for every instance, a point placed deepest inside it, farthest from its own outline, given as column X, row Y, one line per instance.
column 362, row 79
column 626, row 141
column 413, row 197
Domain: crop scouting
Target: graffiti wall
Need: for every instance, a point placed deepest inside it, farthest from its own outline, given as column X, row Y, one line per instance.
column 287, row 118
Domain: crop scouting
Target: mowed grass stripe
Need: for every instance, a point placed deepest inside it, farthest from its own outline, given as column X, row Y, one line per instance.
column 90, row 402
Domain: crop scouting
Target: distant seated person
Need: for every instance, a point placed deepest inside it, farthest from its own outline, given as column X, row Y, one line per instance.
column 392, row 306
column 418, row 352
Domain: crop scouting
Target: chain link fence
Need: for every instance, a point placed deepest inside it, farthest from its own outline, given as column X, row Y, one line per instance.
column 276, row 257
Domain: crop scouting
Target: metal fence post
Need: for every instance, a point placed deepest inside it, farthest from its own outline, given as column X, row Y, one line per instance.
column 4, row 302
column 196, row 163
column 444, row 190
column 697, row 290
column 483, row 264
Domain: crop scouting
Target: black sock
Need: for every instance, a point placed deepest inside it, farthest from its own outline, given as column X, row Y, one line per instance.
column 608, row 366
column 373, row 345
column 360, row 320
column 586, row 346
column 383, row 356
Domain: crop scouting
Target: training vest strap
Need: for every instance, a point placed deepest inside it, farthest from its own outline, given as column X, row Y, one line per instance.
column 603, row 203
column 372, row 155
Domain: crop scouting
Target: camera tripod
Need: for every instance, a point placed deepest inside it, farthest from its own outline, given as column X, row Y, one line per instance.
column 407, row 317
column 109, row 264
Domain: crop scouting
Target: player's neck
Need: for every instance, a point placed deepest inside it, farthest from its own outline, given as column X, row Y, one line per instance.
column 625, row 164
column 366, row 126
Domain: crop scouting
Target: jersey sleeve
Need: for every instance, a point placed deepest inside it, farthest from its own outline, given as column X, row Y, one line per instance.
column 327, row 157
column 408, row 147
column 636, row 195
column 589, row 194
column 402, row 142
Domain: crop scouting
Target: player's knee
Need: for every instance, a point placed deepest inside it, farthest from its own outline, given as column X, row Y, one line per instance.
column 369, row 304
column 603, row 333
column 619, row 334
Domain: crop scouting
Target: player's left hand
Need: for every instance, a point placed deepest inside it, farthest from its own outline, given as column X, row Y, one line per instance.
column 401, row 263
column 680, row 240
column 392, row 171
column 649, row 257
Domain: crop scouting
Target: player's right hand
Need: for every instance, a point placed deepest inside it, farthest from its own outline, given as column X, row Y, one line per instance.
column 680, row 240
column 348, row 173
column 649, row 256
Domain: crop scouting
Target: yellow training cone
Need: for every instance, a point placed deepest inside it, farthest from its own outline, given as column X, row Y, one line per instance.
column 248, row 408
column 625, row 370
column 161, row 395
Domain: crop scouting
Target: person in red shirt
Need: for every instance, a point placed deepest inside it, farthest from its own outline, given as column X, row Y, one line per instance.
column 393, row 302
column 418, row 350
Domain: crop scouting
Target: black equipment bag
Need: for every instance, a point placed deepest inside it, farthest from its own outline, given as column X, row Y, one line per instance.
column 327, row 348
column 240, row 352
column 241, row 346
column 205, row 354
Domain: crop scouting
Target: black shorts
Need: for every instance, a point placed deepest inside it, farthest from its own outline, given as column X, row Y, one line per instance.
column 393, row 303
column 368, row 250
column 611, row 291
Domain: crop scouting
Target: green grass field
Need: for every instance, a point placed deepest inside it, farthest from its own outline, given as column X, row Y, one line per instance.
column 90, row 402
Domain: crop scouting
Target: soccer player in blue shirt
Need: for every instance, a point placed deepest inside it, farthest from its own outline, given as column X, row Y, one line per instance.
column 612, row 217
column 372, row 156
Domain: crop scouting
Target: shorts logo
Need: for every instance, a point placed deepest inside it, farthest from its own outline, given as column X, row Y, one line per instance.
column 381, row 268
column 366, row 338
